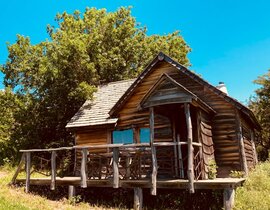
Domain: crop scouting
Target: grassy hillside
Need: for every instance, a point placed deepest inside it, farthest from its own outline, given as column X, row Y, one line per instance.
column 255, row 194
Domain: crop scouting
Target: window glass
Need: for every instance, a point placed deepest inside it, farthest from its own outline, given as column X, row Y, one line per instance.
column 123, row 137
column 145, row 135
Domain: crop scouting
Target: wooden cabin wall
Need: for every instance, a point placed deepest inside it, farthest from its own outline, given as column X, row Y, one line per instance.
column 224, row 129
column 206, row 138
column 225, row 139
column 93, row 137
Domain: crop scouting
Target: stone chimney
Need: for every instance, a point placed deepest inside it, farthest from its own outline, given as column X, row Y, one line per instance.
column 221, row 86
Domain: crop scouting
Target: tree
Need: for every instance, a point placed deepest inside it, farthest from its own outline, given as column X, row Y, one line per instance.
column 260, row 104
column 53, row 78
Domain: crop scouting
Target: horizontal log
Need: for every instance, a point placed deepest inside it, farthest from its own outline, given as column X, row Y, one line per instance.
column 46, row 150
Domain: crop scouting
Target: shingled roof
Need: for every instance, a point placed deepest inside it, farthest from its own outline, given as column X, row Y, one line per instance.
column 96, row 111
column 109, row 98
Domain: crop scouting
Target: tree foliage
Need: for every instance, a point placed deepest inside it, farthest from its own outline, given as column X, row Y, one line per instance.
column 260, row 104
column 54, row 77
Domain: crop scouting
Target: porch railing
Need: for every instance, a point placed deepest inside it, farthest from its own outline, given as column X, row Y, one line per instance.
column 130, row 161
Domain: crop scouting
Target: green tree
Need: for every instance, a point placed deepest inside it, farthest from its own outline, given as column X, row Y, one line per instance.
column 260, row 104
column 54, row 77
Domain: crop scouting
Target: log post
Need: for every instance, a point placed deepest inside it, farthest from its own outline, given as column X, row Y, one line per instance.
column 253, row 147
column 22, row 161
column 71, row 191
column 53, row 169
column 175, row 150
column 190, row 171
column 115, row 167
column 199, row 119
column 28, row 171
column 138, row 198
column 153, row 153
column 228, row 198
column 241, row 143
column 180, row 159
column 84, row 168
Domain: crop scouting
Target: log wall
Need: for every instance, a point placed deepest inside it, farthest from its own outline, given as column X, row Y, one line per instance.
column 223, row 124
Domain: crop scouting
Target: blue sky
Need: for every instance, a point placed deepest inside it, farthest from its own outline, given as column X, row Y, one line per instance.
column 230, row 39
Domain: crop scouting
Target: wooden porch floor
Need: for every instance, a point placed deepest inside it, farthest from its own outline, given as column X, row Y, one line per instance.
column 219, row 183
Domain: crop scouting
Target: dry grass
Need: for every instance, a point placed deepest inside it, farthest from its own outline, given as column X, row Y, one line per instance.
column 15, row 198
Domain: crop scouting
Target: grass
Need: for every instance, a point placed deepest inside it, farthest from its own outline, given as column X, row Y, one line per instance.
column 15, row 198
column 255, row 194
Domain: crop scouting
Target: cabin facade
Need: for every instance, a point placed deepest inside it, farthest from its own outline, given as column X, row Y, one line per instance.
column 168, row 128
column 177, row 111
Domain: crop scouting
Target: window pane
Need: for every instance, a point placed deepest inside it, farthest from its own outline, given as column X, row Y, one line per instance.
column 123, row 137
column 145, row 135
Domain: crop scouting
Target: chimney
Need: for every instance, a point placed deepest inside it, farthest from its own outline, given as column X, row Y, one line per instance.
column 222, row 87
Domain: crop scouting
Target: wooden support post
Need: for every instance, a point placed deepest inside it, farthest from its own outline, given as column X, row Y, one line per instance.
column 71, row 191
column 175, row 150
column 115, row 167
column 190, row 171
column 22, row 161
column 228, row 198
column 199, row 133
column 241, row 143
column 53, row 169
column 138, row 198
column 84, row 168
column 28, row 171
column 153, row 151
column 180, row 159
column 253, row 147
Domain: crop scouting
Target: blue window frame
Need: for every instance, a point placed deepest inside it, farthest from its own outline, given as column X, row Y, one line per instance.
column 123, row 137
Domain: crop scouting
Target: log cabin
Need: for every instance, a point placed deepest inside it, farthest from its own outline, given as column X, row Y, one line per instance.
column 167, row 104
column 167, row 128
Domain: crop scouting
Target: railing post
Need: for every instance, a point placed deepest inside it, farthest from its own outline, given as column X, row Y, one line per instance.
column 115, row 167
column 153, row 151
column 53, row 169
column 28, row 172
column 138, row 198
column 18, row 169
column 190, row 171
column 84, row 168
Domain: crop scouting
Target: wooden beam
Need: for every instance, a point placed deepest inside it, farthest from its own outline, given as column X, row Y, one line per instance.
column 22, row 161
column 115, row 167
column 138, row 198
column 53, row 169
column 241, row 143
column 71, row 191
column 253, row 147
column 180, row 159
column 84, row 168
column 28, row 171
column 153, row 152
column 175, row 149
column 46, row 150
column 190, row 171
column 136, row 135
column 228, row 198
column 199, row 131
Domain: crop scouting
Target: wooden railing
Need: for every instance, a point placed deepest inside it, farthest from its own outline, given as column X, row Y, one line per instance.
column 130, row 161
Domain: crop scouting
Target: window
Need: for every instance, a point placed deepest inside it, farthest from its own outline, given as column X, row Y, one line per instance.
column 123, row 137
column 144, row 135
